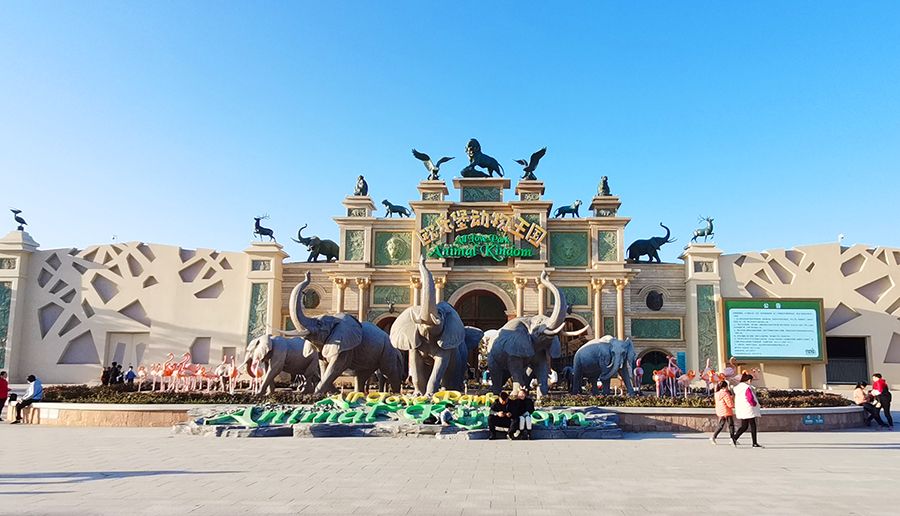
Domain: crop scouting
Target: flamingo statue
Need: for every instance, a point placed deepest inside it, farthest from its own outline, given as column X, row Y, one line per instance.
column 731, row 371
column 256, row 373
column 658, row 377
column 756, row 373
column 638, row 376
column 142, row 375
column 672, row 372
column 706, row 375
column 166, row 373
column 232, row 376
column 685, row 381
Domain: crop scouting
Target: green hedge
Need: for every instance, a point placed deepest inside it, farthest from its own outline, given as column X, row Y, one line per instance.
column 767, row 399
column 124, row 393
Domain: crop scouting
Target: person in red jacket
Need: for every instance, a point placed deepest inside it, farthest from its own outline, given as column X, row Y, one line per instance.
column 725, row 411
column 883, row 395
column 4, row 390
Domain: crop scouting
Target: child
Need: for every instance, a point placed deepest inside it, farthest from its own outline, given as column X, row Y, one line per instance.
column 725, row 411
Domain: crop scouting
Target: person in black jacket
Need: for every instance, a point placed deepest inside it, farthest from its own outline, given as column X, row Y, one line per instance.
column 500, row 416
column 521, row 409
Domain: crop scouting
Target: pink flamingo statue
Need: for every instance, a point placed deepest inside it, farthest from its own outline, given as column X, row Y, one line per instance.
column 168, row 370
column 685, row 381
column 142, row 375
column 658, row 377
column 256, row 373
column 731, row 372
column 638, row 376
column 706, row 375
column 232, row 376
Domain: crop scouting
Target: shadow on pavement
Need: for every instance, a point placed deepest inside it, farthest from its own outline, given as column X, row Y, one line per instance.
column 74, row 478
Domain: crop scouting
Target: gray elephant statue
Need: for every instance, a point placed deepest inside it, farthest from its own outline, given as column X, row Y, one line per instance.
column 317, row 246
column 529, row 342
column 649, row 247
column 281, row 354
column 602, row 359
column 344, row 343
column 437, row 341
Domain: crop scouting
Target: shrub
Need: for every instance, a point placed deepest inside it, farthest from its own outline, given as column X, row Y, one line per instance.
column 124, row 393
column 767, row 399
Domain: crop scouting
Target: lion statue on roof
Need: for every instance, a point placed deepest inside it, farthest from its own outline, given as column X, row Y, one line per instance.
column 477, row 159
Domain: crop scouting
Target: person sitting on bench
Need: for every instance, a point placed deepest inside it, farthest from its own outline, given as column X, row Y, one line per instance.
column 500, row 416
column 521, row 409
column 34, row 393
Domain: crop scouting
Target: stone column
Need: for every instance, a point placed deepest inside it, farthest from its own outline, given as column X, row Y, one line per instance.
column 620, row 308
column 597, row 285
column 541, row 297
column 15, row 250
column 702, row 332
column 340, row 284
column 414, row 285
column 439, row 288
column 363, row 284
column 520, row 295
column 266, row 270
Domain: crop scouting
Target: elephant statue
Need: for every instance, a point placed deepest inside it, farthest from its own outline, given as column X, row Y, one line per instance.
column 437, row 341
column 649, row 247
column 317, row 246
column 529, row 342
column 344, row 343
column 281, row 354
column 602, row 359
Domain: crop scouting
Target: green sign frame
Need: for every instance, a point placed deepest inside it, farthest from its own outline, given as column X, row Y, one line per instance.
column 727, row 305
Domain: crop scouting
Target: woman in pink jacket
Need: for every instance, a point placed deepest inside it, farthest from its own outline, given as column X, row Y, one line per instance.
column 746, row 408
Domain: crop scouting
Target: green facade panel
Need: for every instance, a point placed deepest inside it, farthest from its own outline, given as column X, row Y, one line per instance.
column 569, row 249
column 662, row 329
column 393, row 248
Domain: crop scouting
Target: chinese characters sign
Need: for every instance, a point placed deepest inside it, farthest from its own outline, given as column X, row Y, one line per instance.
column 497, row 247
column 464, row 219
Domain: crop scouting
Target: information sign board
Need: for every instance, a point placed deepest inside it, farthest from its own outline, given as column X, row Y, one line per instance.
column 774, row 329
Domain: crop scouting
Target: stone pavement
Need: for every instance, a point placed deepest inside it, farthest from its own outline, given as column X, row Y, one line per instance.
column 147, row 471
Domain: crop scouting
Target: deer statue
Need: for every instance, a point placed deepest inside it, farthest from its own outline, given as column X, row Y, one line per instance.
column 262, row 231
column 704, row 232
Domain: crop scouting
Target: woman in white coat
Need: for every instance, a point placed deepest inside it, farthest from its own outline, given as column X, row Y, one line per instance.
column 746, row 408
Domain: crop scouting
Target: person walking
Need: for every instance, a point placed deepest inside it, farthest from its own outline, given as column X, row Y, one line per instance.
column 4, row 391
column 746, row 408
column 500, row 416
column 130, row 375
column 864, row 399
column 35, row 392
column 883, row 395
column 725, row 411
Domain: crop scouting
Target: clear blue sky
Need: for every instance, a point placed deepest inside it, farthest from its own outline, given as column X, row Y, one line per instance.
column 177, row 122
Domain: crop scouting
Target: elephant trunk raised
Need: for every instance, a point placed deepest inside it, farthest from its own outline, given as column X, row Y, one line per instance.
column 301, row 322
column 428, row 314
column 557, row 319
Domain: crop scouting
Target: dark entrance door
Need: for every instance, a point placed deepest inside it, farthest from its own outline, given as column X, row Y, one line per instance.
column 652, row 361
column 847, row 361
column 482, row 309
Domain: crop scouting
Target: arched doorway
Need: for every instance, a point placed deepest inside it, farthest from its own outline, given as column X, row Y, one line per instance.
column 652, row 360
column 482, row 309
column 385, row 322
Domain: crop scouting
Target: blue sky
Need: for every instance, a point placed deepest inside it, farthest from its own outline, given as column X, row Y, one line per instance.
column 177, row 122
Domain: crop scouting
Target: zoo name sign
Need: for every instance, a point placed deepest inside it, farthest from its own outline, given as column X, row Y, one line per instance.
column 497, row 247
column 464, row 219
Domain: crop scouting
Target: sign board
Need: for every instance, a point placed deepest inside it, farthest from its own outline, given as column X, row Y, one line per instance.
column 497, row 247
column 681, row 358
column 460, row 220
column 817, row 419
column 774, row 329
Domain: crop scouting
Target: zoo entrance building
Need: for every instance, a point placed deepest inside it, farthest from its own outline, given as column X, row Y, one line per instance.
column 64, row 313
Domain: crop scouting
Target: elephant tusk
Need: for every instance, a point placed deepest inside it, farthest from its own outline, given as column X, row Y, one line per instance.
column 436, row 321
column 554, row 332
column 577, row 332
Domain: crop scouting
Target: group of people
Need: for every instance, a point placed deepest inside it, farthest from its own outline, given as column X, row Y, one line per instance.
column 113, row 374
column 34, row 392
column 742, row 404
column 875, row 400
column 514, row 414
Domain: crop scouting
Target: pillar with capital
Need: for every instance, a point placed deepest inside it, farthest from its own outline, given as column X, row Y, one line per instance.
column 414, row 288
column 363, row 284
column 520, row 295
column 340, row 284
column 541, row 297
column 620, row 308
column 597, row 285
column 439, row 284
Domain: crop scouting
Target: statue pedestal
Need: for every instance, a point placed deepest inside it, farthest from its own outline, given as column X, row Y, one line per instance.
column 15, row 250
column 481, row 189
column 359, row 205
column 433, row 190
column 530, row 190
column 605, row 206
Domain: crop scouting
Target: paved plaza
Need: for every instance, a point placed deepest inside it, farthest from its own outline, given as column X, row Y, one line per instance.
column 115, row 471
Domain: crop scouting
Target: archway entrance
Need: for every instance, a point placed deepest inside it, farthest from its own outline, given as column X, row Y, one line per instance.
column 482, row 309
column 652, row 360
